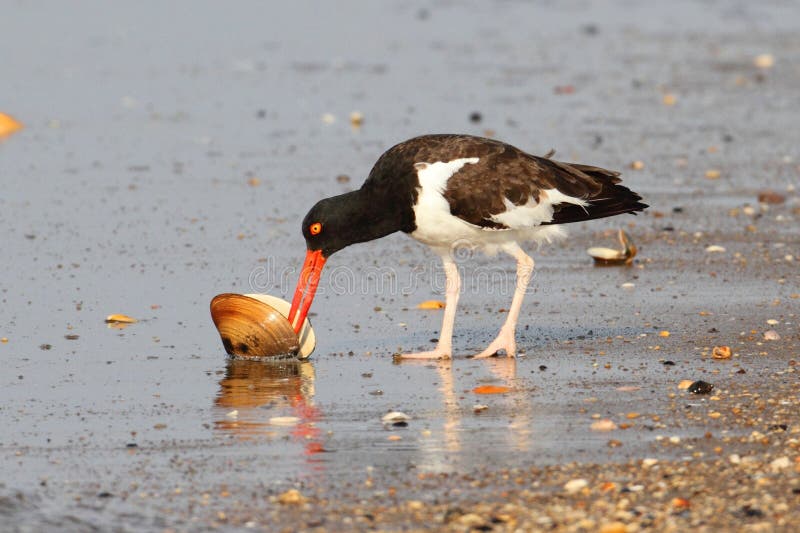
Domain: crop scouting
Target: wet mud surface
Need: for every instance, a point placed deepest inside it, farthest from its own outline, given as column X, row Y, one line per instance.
column 170, row 153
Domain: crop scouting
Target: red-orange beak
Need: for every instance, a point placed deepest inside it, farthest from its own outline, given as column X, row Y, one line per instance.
column 306, row 288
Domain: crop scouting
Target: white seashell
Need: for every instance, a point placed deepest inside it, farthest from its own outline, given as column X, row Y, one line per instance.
column 395, row 417
column 715, row 248
column 609, row 256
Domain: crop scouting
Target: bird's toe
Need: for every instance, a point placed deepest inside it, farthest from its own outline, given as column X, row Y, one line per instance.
column 504, row 342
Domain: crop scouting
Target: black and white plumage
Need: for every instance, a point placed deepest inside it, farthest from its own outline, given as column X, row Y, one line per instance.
column 454, row 189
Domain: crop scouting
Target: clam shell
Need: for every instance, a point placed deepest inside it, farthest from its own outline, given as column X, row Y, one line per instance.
column 609, row 256
column 254, row 326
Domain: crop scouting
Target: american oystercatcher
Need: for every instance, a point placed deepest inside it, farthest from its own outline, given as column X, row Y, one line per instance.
column 446, row 190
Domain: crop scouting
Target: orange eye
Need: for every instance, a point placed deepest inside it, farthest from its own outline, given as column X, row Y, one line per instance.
column 315, row 228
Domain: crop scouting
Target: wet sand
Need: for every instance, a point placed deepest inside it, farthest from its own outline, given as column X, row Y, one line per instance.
column 169, row 154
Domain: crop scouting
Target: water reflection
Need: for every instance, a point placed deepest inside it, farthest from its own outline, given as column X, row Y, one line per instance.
column 518, row 403
column 509, row 417
column 259, row 397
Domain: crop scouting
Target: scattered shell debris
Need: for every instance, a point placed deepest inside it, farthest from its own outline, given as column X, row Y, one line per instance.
column 431, row 304
column 604, row 424
column 291, row 497
column 715, row 248
column 721, row 352
column 609, row 256
column 395, row 418
column 771, row 335
column 575, row 485
column 120, row 319
column 8, row 125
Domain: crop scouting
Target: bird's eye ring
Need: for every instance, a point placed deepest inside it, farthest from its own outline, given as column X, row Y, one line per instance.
column 315, row 228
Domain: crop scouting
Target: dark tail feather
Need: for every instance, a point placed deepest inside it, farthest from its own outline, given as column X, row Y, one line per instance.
column 612, row 199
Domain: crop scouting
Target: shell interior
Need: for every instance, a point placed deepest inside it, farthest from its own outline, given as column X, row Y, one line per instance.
column 609, row 256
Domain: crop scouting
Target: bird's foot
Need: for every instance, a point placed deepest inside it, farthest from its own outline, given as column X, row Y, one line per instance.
column 505, row 341
column 438, row 353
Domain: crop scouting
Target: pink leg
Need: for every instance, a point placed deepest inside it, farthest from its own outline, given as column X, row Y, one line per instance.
column 506, row 338
column 444, row 348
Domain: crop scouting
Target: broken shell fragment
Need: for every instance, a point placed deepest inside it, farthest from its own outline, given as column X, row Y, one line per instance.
column 356, row 119
column 8, row 125
column 771, row 197
column 254, row 326
column 120, row 319
column 431, row 304
column 609, row 256
column 721, row 352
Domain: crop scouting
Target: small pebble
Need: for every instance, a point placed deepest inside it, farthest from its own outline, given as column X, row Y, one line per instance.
column 764, row 61
column 356, row 119
column 605, row 424
column 700, row 387
column 575, row 485
column 780, row 463
column 291, row 497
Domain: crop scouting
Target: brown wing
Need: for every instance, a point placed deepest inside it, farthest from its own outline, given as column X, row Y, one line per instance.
column 476, row 192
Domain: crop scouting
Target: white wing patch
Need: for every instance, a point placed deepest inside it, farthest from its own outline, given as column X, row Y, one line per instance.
column 435, row 225
column 533, row 213
column 433, row 181
column 434, row 176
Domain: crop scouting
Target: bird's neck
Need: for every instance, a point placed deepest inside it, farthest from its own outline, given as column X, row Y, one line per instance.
column 374, row 216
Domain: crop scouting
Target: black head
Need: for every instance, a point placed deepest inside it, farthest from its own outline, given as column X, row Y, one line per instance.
column 339, row 221
column 325, row 227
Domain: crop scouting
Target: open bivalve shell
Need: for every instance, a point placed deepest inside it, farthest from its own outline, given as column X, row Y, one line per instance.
column 609, row 256
column 255, row 326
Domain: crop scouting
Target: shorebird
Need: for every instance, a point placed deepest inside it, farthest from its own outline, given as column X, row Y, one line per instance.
column 448, row 189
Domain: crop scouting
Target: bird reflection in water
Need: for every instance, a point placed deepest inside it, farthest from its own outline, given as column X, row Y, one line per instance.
column 518, row 403
column 258, row 396
column 515, row 404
